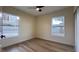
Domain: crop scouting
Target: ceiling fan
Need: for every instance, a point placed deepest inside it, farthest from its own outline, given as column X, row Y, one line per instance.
column 37, row 8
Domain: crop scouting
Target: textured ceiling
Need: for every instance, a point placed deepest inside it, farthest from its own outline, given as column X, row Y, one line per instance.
column 45, row 10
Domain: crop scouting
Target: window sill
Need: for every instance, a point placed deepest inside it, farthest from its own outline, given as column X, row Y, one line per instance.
column 56, row 34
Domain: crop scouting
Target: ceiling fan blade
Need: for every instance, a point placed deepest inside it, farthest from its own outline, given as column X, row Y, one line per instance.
column 40, row 6
column 34, row 7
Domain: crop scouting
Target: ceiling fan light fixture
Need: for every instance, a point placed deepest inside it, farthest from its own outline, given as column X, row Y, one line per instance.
column 40, row 10
column 37, row 9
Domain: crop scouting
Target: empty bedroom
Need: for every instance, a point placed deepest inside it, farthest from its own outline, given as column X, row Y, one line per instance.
column 37, row 29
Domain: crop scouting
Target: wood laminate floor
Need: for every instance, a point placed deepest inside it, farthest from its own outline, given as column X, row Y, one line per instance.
column 38, row 45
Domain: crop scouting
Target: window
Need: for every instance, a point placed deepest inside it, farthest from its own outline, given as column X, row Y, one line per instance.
column 0, row 23
column 58, row 25
column 10, row 25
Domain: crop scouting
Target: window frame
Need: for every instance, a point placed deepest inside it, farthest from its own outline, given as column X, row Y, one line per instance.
column 17, row 25
column 57, row 34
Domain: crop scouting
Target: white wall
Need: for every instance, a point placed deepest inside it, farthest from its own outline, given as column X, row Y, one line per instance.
column 43, row 27
column 26, row 29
